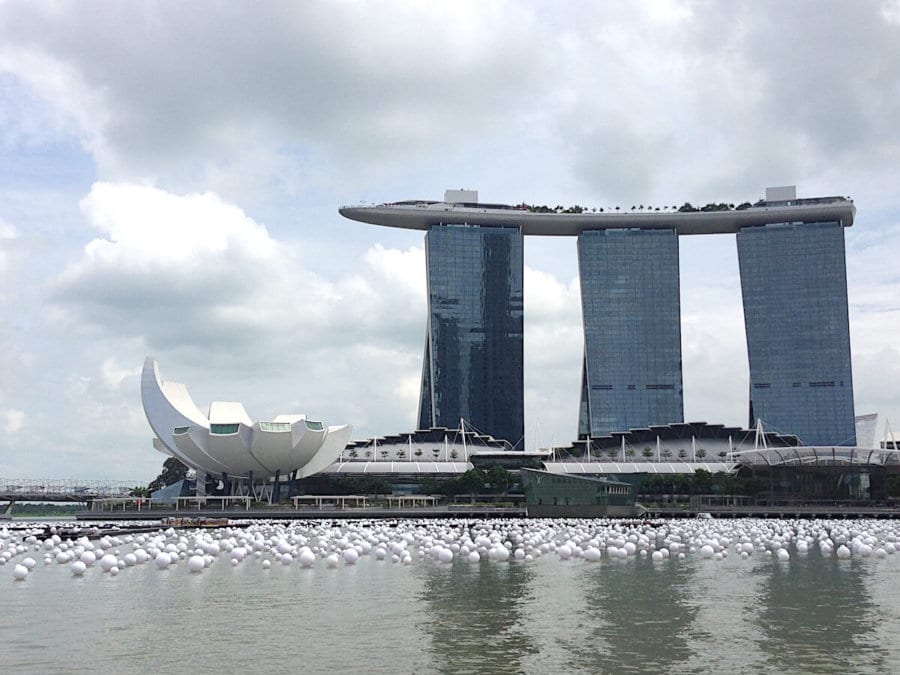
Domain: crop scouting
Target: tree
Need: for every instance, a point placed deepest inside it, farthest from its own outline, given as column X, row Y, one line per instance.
column 682, row 454
column 701, row 453
column 629, row 452
column 454, row 454
column 173, row 471
column 401, row 454
column 666, row 453
column 702, row 482
column 471, row 482
column 647, row 453
column 418, row 452
column 499, row 478
column 435, row 452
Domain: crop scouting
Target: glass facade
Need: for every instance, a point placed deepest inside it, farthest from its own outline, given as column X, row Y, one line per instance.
column 632, row 330
column 794, row 286
column 473, row 365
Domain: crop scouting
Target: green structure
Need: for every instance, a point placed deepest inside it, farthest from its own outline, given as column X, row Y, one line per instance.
column 550, row 495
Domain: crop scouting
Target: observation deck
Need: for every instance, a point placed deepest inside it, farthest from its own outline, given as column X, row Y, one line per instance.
column 422, row 215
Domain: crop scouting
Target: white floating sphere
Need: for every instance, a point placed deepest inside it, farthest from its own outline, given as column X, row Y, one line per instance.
column 843, row 552
column 445, row 555
column 78, row 568
column 107, row 562
column 266, row 564
column 306, row 558
column 350, row 556
column 591, row 554
column 285, row 558
column 114, row 570
column 20, row 572
column 162, row 560
column 707, row 552
column 880, row 553
column 499, row 553
column 656, row 556
column 88, row 558
column 474, row 557
column 564, row 552
column 332, row 560
column 196, row 563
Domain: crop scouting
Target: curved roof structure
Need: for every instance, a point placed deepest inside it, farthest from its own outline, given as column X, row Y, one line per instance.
column 805, row 455
column 227, row 441
column 421, row 215
column 595, row 468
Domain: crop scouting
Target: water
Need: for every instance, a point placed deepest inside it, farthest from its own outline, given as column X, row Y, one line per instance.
column 811, row 614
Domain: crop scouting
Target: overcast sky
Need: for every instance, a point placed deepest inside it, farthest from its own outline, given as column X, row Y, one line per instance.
column 170, row 175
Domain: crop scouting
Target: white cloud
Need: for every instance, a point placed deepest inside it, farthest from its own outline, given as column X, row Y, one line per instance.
column 113, row 375
column 13, row 420
column 7, row 234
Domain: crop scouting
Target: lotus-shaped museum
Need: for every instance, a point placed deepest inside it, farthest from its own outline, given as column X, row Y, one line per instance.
column 227, row 442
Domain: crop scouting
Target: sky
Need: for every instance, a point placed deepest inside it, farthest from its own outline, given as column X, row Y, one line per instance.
column 170, row 177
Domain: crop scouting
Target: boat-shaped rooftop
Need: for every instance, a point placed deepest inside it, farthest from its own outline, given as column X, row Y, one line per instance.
column 425, row 214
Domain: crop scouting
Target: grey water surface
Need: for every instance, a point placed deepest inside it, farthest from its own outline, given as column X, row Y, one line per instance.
column 809, row 615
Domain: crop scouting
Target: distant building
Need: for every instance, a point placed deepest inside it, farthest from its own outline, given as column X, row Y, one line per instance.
column 551, row 495
column 794, row 286
column 631, row 376
column 473, row 364
column 793, row 281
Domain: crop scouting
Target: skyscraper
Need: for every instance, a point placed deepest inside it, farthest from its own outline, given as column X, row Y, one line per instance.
column 631, row 377
column 473, row 365
column 794, row 286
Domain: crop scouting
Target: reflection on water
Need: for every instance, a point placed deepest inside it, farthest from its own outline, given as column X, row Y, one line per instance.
column 817, row 614
column 477, row 621
column 550, row 615
column 643, row 618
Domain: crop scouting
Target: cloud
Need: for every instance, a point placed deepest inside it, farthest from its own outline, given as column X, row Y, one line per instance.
column 632, row 102
column 155, row 86
column 7, row 234
column 13, row 420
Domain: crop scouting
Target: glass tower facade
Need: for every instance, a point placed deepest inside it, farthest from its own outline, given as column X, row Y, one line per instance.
column 473, row 366
column 632, row 330
column 794, row 286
